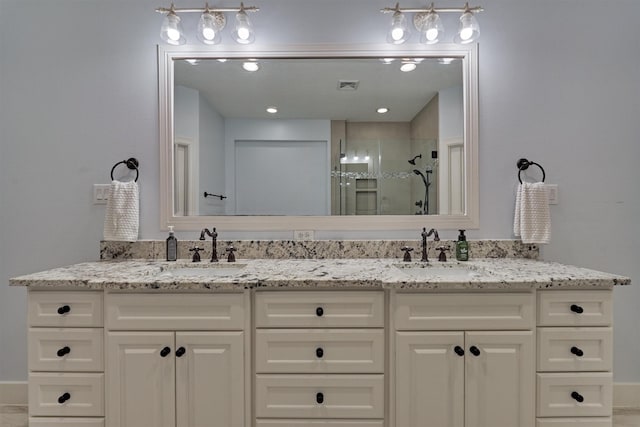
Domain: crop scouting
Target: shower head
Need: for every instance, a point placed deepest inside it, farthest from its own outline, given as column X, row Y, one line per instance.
column 413, row 161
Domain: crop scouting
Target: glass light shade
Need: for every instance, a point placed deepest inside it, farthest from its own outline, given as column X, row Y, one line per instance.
column 469, row 30
column 399, row 31
column 243, row 33
column 208, row 33
column 171, row 30
column 432, row 29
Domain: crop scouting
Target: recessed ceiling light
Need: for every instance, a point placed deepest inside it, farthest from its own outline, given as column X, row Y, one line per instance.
column 272, row 110
column 192, row 61
column 408, row 66
column 382, row 110
column 250, row 66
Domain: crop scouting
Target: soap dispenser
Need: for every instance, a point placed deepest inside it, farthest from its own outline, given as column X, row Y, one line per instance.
column 462, row 247
column 172, row 246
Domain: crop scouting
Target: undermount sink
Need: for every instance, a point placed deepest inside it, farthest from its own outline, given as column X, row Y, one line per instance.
column 444, row 271
column 203, row 270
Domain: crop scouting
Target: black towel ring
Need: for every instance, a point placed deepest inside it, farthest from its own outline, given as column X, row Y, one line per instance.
column 523, row 164
column 132, row 163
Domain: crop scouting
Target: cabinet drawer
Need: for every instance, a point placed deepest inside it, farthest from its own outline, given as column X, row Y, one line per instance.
column 555, row 395
column 319, row 309
column 175, row 312
column 319, row 396
column 65, row 309
column 64, row 422
column 574, row 308
column 476, row 311
column 85, row 394
column 575, row 349
column 65, row 349
column 574, row 422
column 305, row 351
column 319, row 423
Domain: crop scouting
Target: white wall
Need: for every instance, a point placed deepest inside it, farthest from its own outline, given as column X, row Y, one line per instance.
column 77, row 97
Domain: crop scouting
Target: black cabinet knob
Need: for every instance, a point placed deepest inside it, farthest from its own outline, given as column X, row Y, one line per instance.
column 576, row 308
column 64, row 309
column 63, row 351
column 319, row 312
column 64, row 398
column 180, row 351
column 577, row 351
column 165, row 352
column 319, row 398
column 319, row 353
column 474, row 350
column 459, row 350
column 577, row 396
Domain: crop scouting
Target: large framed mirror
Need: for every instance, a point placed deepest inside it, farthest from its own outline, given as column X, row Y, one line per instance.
column 319, row 137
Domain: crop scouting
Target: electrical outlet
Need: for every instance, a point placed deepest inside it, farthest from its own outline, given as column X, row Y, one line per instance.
column 552, row 190
column 101, row 193
column 303, row 235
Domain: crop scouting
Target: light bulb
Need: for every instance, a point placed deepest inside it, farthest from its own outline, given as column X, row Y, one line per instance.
column 399, row 32
column 208, row 28
column 171, row 30
column 244, row 31
column 469, row 30
column 432, row 28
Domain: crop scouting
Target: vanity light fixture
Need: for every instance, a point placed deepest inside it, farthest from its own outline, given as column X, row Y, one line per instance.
column 212, row 21
column 399, row 31
column 428, row 23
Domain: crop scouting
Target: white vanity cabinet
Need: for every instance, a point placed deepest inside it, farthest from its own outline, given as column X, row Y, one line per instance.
column 464, row 360
column 175, row 360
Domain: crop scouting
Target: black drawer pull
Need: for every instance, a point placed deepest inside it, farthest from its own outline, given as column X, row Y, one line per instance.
column 319, row 353
column 577, row 351
column 165, row 352
column 459, row 350
column 180, row 351
column 319, row 398
column 577, row 396
column 474, row 350
column 64, row 309
column 576, row 308
column 64, row 398
column 319, row 312
column 63, row 351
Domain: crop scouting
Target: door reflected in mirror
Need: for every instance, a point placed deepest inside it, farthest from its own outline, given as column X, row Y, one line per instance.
column 323, row 136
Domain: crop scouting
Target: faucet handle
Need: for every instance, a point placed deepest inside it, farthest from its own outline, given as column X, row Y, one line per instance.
column 231, row 257
column 442, row 257
column 196, row 255
column 407, row 253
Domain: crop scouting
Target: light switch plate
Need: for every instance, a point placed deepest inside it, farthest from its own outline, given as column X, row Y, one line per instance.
column 303, row 235
column 101, row 193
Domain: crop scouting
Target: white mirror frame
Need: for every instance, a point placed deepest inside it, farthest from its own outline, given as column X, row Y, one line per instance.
column 469, row 56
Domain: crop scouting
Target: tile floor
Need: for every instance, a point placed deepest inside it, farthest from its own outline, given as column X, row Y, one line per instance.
column 16, row 416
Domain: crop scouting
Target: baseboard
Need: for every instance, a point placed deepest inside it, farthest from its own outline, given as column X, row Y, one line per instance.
column 13, row 393
column 625, row 395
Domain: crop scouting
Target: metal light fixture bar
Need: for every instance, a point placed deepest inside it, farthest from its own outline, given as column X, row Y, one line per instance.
column 207, row 9
column 465, row 8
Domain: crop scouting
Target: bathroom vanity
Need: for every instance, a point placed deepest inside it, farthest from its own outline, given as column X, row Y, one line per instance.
column 335, row 342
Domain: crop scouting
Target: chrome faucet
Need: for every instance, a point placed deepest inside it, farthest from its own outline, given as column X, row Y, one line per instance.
column 426, row 234
column 214, row 235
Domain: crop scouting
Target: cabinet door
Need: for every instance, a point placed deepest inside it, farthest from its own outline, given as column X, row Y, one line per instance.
column 500, row 379
column 429, row 379
column 209, row 379
column 140, row 380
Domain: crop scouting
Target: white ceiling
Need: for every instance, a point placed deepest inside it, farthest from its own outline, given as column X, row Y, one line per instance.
column 307, row 88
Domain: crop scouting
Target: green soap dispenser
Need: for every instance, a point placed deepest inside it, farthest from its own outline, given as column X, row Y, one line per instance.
column 462, row 247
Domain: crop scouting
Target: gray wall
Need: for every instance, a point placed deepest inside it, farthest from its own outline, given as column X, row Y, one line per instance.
column 76, row 97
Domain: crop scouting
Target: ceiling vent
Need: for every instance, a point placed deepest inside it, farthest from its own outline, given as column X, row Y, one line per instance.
column 348, row 84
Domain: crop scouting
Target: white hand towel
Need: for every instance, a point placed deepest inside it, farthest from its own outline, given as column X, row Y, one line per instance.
column 122, row 216
column 532, row 221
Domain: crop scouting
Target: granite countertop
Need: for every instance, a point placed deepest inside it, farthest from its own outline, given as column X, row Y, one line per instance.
column 501, row 273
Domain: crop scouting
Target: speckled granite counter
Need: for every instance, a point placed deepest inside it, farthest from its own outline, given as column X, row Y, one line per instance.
column 477, row 274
